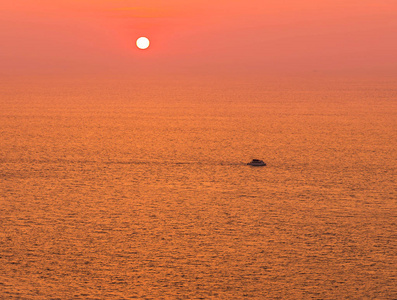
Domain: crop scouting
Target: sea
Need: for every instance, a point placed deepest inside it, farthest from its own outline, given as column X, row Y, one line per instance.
column 140, row 189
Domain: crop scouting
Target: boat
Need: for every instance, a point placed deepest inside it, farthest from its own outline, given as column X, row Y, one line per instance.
column 257, row 163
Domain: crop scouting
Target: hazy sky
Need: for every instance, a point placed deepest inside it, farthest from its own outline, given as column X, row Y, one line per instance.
column 258, row 36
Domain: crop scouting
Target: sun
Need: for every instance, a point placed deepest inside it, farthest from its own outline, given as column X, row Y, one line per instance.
column 142, row 43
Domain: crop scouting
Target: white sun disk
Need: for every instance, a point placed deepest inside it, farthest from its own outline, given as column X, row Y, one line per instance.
column 142, row 42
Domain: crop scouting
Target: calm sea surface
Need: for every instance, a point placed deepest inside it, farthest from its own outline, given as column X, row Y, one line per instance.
column 141, row 191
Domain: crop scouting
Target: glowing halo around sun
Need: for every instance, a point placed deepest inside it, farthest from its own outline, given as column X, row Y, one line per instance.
column 142, row 43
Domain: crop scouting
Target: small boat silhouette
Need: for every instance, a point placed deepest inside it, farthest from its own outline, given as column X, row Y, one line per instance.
column 257, row 163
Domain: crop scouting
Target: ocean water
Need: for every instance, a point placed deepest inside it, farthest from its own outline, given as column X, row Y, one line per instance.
column 131, row 190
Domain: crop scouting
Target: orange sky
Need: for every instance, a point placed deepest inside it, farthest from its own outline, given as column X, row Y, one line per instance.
column 254, row 36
